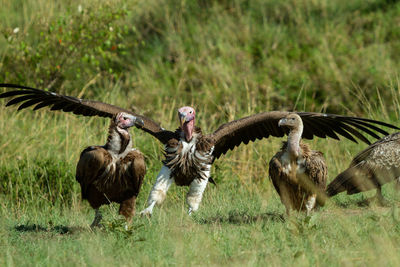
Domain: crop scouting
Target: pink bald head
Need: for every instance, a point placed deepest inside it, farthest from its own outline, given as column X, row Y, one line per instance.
column 186, row 118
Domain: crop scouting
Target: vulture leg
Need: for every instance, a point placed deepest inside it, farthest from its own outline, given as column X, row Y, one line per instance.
column 195, row 194
column 127, row 209
column 159, row 190
column 381, row 200
column 285, row 197
column 149, row 210
column 310, row 203
column 97, row 219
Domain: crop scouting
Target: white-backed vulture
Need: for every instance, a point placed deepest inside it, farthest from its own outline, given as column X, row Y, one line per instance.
column 113, row 172
column 370, row 169
column 189, row 153
column 298, row 173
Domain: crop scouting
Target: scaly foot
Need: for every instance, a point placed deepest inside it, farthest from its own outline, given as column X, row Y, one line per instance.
column 146, row 212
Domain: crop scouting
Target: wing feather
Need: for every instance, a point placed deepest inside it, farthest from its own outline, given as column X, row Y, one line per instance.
column 263, row 125
column 365, row 129
column 92, row 163
column 328, row 130
column 31, row 102
column 275, row 171
column 29, row 96
column 315, row 167
column 18, row 100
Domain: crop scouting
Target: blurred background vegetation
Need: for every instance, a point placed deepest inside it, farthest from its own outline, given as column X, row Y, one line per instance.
column 255, row 55
column 226, row 58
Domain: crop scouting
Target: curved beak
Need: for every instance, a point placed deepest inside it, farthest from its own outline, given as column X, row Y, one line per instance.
column 139, row 122
column 281, row 122
column 182, row 118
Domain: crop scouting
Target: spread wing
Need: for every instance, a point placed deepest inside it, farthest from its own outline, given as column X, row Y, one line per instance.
column 28, row 96
column 263, row 125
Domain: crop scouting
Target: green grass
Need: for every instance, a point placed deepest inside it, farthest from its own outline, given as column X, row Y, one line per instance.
column 233, row 227
column 226, row 58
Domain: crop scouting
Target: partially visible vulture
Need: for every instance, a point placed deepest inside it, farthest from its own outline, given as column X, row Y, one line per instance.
column 189, row 153
column 371, row 168
column 113, row 172
column 298, row 173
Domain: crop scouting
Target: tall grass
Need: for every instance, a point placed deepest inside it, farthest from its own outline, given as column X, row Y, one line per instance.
column 226, row 58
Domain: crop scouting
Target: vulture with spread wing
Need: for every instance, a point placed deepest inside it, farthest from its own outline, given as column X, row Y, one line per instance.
column 370, row 169
column 189, row 152
column 298, row 173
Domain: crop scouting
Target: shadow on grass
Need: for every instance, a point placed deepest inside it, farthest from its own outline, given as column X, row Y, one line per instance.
column 242, row 218
column 365, row 202
column 352, row 204
column 58, row 229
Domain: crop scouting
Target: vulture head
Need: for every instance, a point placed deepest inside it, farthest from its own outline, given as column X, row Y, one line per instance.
column 292, row 121
column 186, row 117
column 124, row 120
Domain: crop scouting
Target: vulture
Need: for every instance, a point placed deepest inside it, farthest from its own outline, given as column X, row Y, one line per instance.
column 189, row 153
column 298, row 173
column 370, row 169
column 113, row 172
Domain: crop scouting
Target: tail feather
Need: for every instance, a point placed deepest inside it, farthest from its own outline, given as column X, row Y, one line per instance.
column 345, row 181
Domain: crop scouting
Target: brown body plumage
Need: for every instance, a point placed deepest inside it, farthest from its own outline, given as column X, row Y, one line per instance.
column 298, row 173
column 111, row 173
column 370, row 169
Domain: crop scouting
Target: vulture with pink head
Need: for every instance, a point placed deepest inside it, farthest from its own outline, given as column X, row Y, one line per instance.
column 113, row 172
column 189, row 153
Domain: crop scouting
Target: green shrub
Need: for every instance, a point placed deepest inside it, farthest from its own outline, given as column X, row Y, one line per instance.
column 78, row 44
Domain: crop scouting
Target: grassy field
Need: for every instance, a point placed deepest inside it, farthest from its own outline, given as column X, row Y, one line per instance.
column 228, row 59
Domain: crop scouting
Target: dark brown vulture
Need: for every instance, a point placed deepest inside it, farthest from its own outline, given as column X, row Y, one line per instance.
column 298, row 173
column 370, row 169
column 113, row 172
column 189, row 153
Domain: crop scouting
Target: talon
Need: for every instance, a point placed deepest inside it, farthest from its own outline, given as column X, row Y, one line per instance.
column 97, row 219
column 146, row 213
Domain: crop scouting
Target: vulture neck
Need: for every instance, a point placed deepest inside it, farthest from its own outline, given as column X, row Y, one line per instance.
column 118, row 141
column 294, row 138
column 188, row 128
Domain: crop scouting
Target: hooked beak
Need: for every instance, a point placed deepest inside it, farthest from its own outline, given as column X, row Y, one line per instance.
column 281, row 122
column 139, row 122
column 182, row 118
